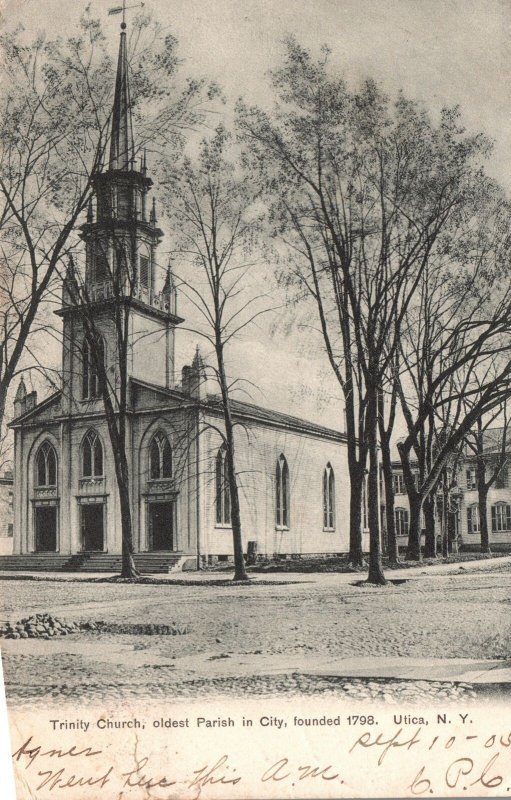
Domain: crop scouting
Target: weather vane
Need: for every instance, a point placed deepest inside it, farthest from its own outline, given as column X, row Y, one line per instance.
column 122, row 10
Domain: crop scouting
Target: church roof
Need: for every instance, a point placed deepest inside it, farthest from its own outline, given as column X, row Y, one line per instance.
column 275, row 418
column 246, row 411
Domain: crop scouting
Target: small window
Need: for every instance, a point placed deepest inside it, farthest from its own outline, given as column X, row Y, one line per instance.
column 402, row 521
column 92, row 456
column 144, row 272
column 399, row 483
column 328, row 498
column 223, row 490
column 90, row 380
column 501, row 481
column 160, row 457
column 101, row 265
column 473, row 523
column 501, row 517
column 46, row 466
column 471, row 478
column 282, row 493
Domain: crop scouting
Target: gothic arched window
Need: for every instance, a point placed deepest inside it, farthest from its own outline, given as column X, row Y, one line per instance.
column 46, row 465
column 92, row 456
column 223, row 490
column 160, row 457
column 328, row 498
column 90, row 381
column 282, row 493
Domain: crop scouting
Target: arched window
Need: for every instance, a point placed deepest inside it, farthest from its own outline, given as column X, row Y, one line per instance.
column 160, row 457
column 402, row 523
column 90, row 382
column 282, row 493
column 46, row 465
column 473, row 524
column 223, row 491
column 328, row 498
column 92, row 456
column 501, row 517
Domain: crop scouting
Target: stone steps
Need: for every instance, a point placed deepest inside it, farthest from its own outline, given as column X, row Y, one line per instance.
column 146, row 563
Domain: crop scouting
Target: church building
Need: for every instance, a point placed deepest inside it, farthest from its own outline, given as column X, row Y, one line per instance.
column 293, row 474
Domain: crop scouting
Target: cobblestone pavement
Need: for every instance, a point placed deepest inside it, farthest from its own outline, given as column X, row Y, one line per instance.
column 459, row 616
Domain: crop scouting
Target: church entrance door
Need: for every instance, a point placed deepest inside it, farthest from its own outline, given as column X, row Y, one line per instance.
column 161, row 526
column 92, row 526
column 45, row 529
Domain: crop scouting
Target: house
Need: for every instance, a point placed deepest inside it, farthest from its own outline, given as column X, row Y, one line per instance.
column 6, row 512
column 293, row 473
column 464, row 501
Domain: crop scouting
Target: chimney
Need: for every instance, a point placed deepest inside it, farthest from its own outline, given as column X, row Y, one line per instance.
column 31, row 401
column 185, row 379
column 20, row 399
column 198, row 377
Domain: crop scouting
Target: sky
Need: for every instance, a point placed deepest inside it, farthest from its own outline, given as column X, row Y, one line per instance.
column 441, row 52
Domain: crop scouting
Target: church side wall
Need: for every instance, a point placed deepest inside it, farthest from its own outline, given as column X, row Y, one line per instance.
column 257, row 451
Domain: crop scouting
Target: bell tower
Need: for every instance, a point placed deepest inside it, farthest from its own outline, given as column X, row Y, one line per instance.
column 121, row 237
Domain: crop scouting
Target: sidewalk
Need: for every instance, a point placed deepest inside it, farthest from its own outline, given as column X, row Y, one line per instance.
column 190, row 578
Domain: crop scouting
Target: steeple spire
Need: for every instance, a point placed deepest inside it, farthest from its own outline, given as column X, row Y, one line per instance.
column 122, row 151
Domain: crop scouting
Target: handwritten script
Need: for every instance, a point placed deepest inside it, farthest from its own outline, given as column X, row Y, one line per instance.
column 414, row 761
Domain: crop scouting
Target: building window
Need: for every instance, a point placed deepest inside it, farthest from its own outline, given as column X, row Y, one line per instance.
column 144, row 272
column 223, row 489
column 402, row 523
column 501, row 517
column 471, row 478
column 161, row 457
column 501, row 481
column 101, row 265
column 90, row 380
column 46, row 466
column 328, row 498
column 92, row 456
column 473, row 524
column 399, row 483
column 282, row 493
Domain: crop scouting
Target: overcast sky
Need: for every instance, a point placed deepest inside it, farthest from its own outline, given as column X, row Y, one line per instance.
column 442, row 52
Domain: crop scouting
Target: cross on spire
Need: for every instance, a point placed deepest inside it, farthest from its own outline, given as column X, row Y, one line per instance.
column 122, row 10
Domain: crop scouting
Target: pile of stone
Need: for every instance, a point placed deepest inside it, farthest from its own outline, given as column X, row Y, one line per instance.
column 43, row 626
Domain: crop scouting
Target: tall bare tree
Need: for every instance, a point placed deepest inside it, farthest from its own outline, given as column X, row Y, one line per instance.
column 364, row 191
column 214, row 210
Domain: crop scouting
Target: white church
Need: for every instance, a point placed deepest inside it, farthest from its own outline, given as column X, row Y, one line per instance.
column 293, row 473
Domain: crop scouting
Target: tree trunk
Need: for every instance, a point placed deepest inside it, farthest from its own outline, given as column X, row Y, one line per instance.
column 128, row 569
column 445, row 520
column 392, row 548
column 429, row 519
column 375, row 574
column 482, row 492
column 413, row 551
column 356, row 555
column 240, row 573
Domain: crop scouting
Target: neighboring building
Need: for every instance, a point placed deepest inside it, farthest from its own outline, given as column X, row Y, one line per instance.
column 293, row 473
column 6, row 513
column 464, row 500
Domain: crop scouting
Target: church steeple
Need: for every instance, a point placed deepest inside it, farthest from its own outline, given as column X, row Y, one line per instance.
column 122, row 149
